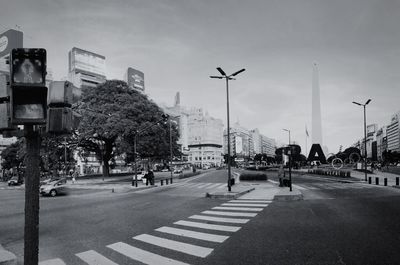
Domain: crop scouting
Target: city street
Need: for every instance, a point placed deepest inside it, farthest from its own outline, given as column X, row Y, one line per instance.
column 336, row 223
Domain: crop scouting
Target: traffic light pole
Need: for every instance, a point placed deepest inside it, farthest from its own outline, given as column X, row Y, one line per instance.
column 32, row 180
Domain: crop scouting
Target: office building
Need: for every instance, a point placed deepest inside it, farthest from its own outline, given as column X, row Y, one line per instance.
column 393, row 134
column 205, row 136
column 85, row 68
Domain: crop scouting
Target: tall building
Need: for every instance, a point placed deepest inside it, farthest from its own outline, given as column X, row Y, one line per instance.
column 262, row 143
column 205, row 135
column 316, row 132
column 393, row 134
column 241, row 142
column 135, row 79
column 86, row 68
column 4, row 143
column 381, row 142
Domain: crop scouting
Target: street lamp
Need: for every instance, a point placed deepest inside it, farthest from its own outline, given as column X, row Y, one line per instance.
column 290, row 161
column 365, row 135
column 227, row 78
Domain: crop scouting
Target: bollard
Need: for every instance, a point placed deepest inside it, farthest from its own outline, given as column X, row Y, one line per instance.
column 397, row 181
column 166, row 181
column 376, row 181
column 162, row 182
column 171, row 180
column 369, row 180
column 385, row 181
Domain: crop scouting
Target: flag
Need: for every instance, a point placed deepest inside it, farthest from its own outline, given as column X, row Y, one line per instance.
column 307, row 131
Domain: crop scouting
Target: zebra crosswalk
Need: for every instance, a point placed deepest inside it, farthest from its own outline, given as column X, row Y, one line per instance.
column 331, row 186
column 213, row 226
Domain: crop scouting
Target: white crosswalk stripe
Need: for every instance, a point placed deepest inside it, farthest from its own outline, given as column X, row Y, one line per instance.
column 91, row 257
column 298, row 187
column 251, row 201
column 238, row 214
column 143, row 256
column 238, row 209
column 190, row 249
column 215, row 185
column 221, row 186
column 52, row 262
column 209, row 226
column 193, row 234
column 219, row 219
column 245, row 204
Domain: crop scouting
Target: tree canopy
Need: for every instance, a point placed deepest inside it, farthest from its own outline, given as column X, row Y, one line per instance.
column 112, row 113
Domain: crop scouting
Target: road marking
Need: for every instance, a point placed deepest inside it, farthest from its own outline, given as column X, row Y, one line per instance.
column 220, row 219
column 143, row 256
column 203, row 185
column 221, row 186
column 91, row 257
column 209, row 226
column 298, row 187
column 52, row 262
column 252, row 201
column 230, row 213
column 190, row 249
column 192, row 234
column 245, row 204
column 238, row 209
column 215, row 185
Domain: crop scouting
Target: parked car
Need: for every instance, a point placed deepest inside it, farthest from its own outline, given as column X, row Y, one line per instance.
column 54, row 188
column 13, row 181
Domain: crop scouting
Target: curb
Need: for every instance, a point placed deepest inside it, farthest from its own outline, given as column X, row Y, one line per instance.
column 229, row 195
column 130, row 189
column 6, row 257
column 295, row 195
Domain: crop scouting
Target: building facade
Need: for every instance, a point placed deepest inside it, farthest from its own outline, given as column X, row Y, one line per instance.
column 393, row 134
column 205, row 138
column 85, row 68
column 263, row 144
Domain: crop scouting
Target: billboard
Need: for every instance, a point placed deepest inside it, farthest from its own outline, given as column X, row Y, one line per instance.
column 135, row 79
column 9, row 40
column 87, row 62
column 371, row 129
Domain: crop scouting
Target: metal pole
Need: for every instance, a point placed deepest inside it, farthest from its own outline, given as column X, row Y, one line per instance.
column 65, row 155
column 134, row 158
column 365, row 143
column 32, row 177
column 229, row 139
column 290, row 169
column 170, row 146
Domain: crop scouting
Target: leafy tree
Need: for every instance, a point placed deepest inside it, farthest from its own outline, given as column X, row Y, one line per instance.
column 112, row 115
column 13, row 156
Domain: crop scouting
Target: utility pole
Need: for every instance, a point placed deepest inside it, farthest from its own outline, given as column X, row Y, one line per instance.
column 32, row 180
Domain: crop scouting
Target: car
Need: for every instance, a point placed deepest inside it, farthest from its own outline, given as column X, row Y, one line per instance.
column 164, row 170
column 15, row 181
column 47, row 181
column 177, row 170
column 54, row 188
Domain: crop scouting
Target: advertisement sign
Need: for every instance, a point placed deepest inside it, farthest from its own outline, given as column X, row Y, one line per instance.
column 85, row 61
column 9, row 40
column 371, row 130
column 135, row 79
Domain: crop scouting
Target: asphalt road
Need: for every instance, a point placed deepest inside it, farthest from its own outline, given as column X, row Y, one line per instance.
column 336, row 223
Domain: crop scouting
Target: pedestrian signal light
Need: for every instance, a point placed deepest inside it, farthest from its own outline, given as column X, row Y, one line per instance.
column 28, row 67
column 28, row 86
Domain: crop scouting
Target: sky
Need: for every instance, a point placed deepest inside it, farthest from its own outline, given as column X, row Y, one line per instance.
column 179, row 43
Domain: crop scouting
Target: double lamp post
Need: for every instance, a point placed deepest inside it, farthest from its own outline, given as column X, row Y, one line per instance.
column 227, row 78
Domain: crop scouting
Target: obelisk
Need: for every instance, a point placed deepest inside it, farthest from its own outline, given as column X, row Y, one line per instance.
column 316, row 132
column 316, row 152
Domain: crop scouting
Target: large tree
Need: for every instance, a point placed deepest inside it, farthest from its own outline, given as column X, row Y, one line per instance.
column 112, row 113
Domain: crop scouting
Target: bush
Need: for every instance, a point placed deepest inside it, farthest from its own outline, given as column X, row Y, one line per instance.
column 253, row 176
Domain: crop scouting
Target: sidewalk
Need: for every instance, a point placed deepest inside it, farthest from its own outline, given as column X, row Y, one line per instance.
column 391, row 178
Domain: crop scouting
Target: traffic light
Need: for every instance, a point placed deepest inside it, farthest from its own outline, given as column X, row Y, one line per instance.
column 28, row 86
column 61, row 118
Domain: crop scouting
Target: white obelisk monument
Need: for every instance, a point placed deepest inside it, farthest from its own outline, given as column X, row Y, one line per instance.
column 316, row 132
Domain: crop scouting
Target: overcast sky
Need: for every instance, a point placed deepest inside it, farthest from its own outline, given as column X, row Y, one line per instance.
column 179, row 43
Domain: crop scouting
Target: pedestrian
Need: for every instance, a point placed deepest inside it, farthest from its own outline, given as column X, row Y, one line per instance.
column 74, row 175
column 150, row 176
column 281, row 174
